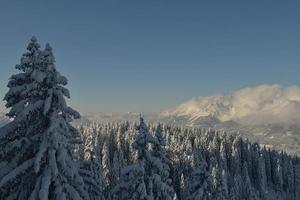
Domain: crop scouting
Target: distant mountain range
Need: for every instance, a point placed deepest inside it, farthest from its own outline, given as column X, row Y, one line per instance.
column 269, row 114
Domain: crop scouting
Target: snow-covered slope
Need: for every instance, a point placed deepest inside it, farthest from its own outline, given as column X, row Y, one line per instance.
column 269, row 114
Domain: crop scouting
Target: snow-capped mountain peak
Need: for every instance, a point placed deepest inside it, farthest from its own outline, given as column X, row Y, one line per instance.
column 200, row 107
column 264, row 104
column 266, row 113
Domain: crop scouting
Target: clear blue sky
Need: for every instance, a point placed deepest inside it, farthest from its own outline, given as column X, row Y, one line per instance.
column 147, row 55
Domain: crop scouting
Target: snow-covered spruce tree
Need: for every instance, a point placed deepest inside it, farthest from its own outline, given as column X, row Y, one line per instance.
column 118, row 164
column 199, row 182
column 262, row 178
column 268, row 166
column 277, row 174
column 91, row 168
column 220, row 190
column 132, row 183
column 106, row 166
column 223, row 167
column 151, row 166
column 235, row 180
column 248, row 192
column 297, row 181
column 108, row 153
column 160, row 171
column 290, row 176
column 36, row 146
column 79, row 148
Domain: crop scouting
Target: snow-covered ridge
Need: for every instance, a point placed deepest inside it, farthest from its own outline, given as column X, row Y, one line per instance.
column 263, row 104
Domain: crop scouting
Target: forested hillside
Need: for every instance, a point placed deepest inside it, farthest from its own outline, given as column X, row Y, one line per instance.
column 169, row 162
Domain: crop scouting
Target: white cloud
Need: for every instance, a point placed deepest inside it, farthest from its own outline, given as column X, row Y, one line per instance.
column 254, row 105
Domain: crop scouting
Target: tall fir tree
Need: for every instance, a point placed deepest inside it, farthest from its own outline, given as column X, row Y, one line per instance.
column 134, row 178
column 247, row 192
column 199, row 182
column 37, row 145
column 262, row 177
column 91, row 169
column 297, row 181
column 160, row 170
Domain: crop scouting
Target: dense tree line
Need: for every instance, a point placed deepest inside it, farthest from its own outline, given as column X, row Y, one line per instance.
column 42, row 156
column 165, row 162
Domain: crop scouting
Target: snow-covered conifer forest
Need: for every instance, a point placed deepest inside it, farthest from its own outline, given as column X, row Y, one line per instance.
column 42, row 156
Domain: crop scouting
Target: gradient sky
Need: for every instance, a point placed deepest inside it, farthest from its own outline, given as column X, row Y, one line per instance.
column 148, row 55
